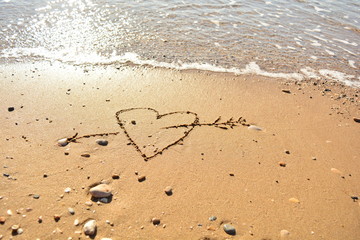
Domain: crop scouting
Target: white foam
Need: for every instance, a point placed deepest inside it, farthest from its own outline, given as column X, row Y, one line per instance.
column 216, row 22
column 71, row 56
column 330, row 52
column 339, row 76
column 315, row 43
column 346, row 42
column 264, row 24
column 309, row 73
column 352, row 63
column 321, row 9
column 253, row 68
column 347, row 50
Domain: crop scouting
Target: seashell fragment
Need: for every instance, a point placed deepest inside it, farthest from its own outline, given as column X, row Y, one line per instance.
column 255, row 128
column 294, row 200
column 334, row 170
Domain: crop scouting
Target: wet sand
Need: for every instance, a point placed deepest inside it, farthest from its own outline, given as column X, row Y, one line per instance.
column 299, row 173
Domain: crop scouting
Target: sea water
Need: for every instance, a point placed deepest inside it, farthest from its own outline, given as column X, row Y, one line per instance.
column 293, row 39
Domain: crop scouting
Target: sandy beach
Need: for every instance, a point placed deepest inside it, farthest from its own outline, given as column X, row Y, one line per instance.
column 293, row 174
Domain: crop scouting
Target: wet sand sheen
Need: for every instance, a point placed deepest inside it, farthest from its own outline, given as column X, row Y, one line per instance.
column 293, row 176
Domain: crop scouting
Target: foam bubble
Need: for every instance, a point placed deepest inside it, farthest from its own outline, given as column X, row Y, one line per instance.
column 330, row 52
column 346, row 42
column 309, row 73
column 339, row 76
column 352, row 63
column 321, row 9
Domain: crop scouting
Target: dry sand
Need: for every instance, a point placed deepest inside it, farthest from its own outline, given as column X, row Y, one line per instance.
column 233, row 174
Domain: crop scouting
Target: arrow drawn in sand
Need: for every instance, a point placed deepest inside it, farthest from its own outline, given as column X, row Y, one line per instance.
column 149, row 132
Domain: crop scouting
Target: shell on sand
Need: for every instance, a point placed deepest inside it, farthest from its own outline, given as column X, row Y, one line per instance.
column 294, row 200
column 255, row 128
column 334, row 170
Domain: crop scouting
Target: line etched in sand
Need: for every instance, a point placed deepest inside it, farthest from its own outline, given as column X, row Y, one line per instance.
column 127, row 127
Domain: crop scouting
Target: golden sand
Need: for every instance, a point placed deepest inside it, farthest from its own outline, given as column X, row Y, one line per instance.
column 215, row 167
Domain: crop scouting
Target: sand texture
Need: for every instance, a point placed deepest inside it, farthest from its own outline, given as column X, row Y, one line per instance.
column 294, row 174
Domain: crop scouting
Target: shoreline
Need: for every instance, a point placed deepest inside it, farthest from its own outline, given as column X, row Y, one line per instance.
column 244, row 177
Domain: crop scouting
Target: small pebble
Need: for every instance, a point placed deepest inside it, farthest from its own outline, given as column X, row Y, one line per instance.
column 356, row 119
column 294, row 200
column 168, row 190
column 57, row 217
column 141, row 178
column 282, row 164
column 19, row 231
column 211, row 228
column 334, row 170
column 287, row 151
column 284, row 233
column 71, row 211
column 313, row 158
column 354, row 198
column 67, row 190
column 76, row 222
column 85, row 155
column 212, row 218
column 40, row 219
column 10, row 109
column 155, row 221
column 9, row 212
column 88, row 203
column 100, row 191
column 63, row 142
column 36, row 196
column 2, row 220
column 102, row 142
column 90, row 227
column 229, row 229
column 286, row 91
column 115, row 176
column 104, row 200
column 15, row 227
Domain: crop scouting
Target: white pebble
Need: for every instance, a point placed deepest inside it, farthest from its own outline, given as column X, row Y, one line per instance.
column 284, row 233
column 9, row 212
column 67, row 190
column 76, row 222
column 89, row 227
column 63, row 142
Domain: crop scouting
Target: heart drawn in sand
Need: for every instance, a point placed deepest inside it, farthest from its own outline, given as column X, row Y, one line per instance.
column 148, row 131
